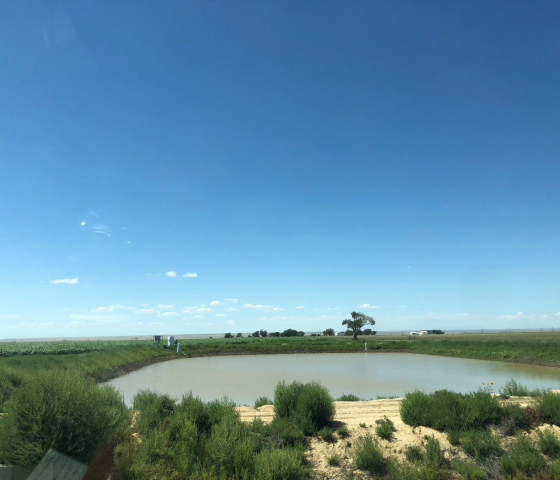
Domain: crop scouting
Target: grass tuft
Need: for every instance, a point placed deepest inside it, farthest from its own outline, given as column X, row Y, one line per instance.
column 385, row 429
column 334, row 460
column 348, row 397
column 368, row 455
column 548, row 443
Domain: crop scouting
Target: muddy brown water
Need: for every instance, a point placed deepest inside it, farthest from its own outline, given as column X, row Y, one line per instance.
column 244, row 378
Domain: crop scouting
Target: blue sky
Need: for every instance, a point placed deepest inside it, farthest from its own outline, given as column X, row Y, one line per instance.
column 303, row 160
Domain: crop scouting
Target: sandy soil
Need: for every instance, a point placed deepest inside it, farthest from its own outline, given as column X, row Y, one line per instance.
column 352, row 414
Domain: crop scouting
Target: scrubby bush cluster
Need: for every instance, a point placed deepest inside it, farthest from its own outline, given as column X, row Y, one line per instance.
column 190, row 439
column 310, row 406
column 59, row 410
column 444, row 410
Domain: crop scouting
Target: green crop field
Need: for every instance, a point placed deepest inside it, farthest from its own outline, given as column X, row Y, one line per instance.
column 65, row 347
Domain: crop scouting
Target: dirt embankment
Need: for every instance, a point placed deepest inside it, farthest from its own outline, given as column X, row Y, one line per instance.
column 360, row 419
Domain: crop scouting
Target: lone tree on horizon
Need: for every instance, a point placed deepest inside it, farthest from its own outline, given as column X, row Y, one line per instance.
column 358, row 321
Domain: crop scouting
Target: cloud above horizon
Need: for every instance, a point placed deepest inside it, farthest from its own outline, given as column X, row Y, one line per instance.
column 190, row 275
column 110, row 309
column 171, row 274
column 367, row 305
column 68, row 281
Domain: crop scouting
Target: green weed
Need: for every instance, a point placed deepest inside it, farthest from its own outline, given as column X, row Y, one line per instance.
column 368, row 455
column 259, row 402
column 385, row 429
column 548, row 443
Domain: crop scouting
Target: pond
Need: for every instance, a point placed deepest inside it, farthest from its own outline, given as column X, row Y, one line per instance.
column 244, row 378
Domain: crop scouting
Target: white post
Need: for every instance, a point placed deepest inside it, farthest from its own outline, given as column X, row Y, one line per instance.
column 366, row 346
column 178, row 348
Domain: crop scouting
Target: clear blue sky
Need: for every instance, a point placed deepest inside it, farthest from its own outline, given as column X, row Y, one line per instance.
column 326, row 155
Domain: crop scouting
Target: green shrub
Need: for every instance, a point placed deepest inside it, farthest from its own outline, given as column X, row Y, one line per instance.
column 284, row 464
column 512, row 388
column 549, row 407
column 454, row 437
column 334, row 461
column 368, row 455
column 480, row 444
column 444, row 410
column 310, row 406
column 414, row 454
column 153, row 411
column 363, row 425
column 196, row 411
column 230, row 449
column 259, row 402
column 326, row 434
column 59, row 410
column 434, row 456
column 385, row 429
column 548, row 443
column 522, row 458
column 348, row 397
column 286, row 432
column 469, row 470
column 512, row 417
column 400, row 470
column 343, row 432
column 555, row 470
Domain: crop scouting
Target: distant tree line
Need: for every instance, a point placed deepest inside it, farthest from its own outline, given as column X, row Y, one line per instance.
column 263, row 333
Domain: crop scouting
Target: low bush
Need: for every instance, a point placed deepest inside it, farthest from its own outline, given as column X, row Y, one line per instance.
column 414, row 454
column 286, row 432
column 280, row 464
column 326, row 434
column 259, row 402
column 522, row 458
column 512, row 417
column 480, row 444
column 348, row 397
column 434, row 456
column 454, row 437
column 334, row 461
column 385, row 429
column 444, row 410
column 513, row 388
column 59, row 410
column 548, row 443
column 310, row 406
column 368, row 455
column 400, row 470
column 548, row 405
column 343, row 432
column 469, row 470
column 152, row 411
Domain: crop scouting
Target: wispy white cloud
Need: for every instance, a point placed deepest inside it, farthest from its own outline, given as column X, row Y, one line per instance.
column 189, row 309
column 47, row 324
column 512, row 317
column 165, row 306
column 215, row 302
column 232, row 300
column 261, row 307
column 204, row 309
column 145, row 310
column 367, row 305
column 110, row 309
column 171, row 274
column 230, row 322
column 156, row 323
column 144, row 304
column 198, row 316
column 231, row 309
column 221, row 315
column 558, row 314
column 69, row 281
column 168, row 314
column 75, row 323
column 300, row 307
column 190, row 275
